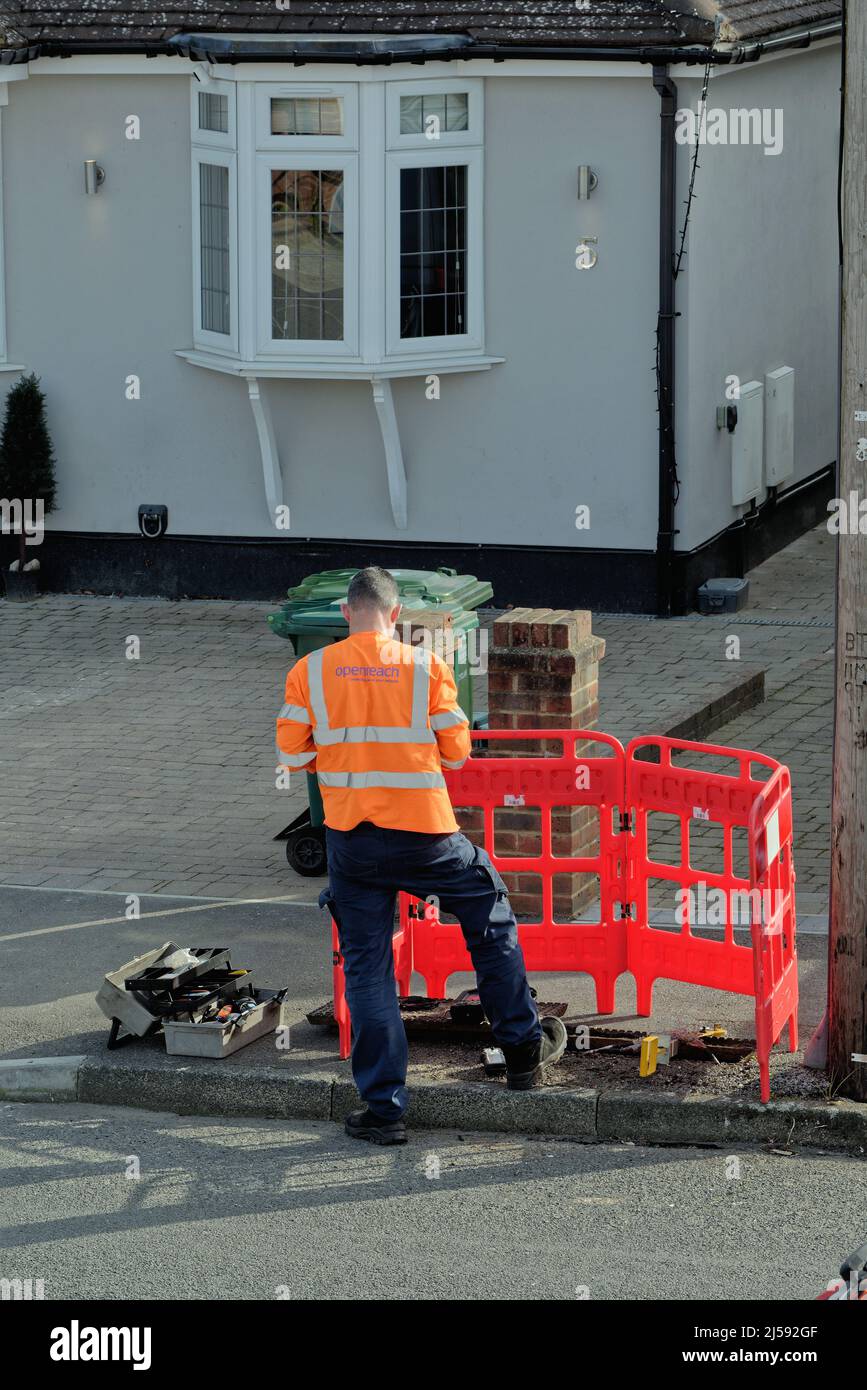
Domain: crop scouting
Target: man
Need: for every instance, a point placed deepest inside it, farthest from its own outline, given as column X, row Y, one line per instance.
column 378, row 720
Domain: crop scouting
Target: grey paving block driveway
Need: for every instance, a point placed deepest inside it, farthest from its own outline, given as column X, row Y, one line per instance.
column 157, row 774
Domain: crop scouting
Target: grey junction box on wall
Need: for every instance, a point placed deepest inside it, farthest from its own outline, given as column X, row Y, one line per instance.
column 779, row 425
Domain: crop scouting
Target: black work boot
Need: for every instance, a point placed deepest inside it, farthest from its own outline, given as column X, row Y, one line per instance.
column 363, row 1124
column 525, row 1062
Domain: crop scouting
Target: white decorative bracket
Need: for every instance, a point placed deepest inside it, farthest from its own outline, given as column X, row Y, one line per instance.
column 384, row 403
column 268, row 448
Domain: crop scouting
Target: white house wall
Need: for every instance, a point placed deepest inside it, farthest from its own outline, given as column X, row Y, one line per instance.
column 759, row 290
column 100, row 288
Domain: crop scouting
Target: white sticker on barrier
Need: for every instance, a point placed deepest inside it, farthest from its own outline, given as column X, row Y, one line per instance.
column 699, row 813
column 772, row 836
column 510, row 800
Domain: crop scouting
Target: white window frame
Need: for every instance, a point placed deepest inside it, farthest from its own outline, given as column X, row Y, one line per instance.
column 473, row 135
column 371, row 152
column 346, row 91
column 217, row 138
column 307, row 348
column 219, row 342
column 472, row 340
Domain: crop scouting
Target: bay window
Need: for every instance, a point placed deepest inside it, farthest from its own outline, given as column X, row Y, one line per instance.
column 338, row 223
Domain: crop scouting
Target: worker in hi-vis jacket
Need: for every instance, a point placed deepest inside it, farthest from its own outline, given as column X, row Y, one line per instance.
column 378, row 720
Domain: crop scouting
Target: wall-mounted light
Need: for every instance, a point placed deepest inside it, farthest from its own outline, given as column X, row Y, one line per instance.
column 587, row 182
column 153, row 520
column 94, row 176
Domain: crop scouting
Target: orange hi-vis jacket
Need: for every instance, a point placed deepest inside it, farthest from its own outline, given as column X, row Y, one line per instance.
column 377, row 720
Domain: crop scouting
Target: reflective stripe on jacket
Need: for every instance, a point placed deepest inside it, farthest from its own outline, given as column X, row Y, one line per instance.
column 377, row 720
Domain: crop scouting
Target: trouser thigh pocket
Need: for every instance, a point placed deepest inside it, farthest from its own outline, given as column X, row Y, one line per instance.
column 483, row 863
column 501, row 912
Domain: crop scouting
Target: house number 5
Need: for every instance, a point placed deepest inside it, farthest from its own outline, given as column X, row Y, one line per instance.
column 585, row 256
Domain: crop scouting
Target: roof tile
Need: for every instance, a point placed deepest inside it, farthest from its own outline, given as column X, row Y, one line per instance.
column 76, row 25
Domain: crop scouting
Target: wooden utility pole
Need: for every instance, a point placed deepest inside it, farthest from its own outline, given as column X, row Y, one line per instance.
column 847, row 984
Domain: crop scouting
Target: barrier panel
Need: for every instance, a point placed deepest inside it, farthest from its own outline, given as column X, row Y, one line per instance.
column 588, row 772
column 740, row 819
column 705, row 806
column 772, row 871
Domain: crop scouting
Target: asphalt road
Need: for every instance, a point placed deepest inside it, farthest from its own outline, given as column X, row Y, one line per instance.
column 56, row 946
column 230, row 1209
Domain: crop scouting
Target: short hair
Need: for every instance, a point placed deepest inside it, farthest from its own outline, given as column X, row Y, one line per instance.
column 373, row 588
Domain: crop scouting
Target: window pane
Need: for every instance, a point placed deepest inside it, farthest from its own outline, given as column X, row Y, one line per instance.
column 213, row 112
column 307, row 254
column 214, row 247
column 306, row 116
column 457, row 111
column 433, row 253
column 433, row 183
column 410, row 189
column 434, row 113
column 411, row 115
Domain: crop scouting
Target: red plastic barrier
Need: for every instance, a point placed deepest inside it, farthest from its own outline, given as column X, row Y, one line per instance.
column 626, row 789
column 588, row 772
column 668, row 784
column 402, row 947
column 772, row 872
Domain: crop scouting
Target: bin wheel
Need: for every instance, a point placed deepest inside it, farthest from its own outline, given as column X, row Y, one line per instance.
column 305, row 851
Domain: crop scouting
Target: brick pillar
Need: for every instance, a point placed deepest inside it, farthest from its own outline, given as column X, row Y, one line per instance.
column 543, row 673
column 428, row 627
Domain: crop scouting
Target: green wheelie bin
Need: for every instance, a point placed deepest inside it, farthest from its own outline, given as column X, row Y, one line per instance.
column 311, row 618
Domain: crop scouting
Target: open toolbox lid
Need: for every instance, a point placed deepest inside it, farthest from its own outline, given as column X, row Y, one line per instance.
column 140, row 995
column 155, row 977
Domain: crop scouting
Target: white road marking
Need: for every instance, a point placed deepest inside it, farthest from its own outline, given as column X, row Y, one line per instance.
column 144, row 916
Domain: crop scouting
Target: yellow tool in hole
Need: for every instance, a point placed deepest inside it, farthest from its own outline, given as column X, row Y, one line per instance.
column 657, row 1050
column 649, row 1055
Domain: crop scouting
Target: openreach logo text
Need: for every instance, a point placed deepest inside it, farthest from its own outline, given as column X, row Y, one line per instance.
column 738, row 126
column 77, row 1343
column 369, row 673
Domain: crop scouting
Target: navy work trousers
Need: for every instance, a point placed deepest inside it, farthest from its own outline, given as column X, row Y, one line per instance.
column 366, row 868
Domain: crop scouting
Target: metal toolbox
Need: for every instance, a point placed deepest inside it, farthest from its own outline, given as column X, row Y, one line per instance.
column 140, row 996
column 123, row 1006
column 215, row 1039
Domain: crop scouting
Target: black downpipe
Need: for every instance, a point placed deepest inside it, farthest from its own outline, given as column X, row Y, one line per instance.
column 665, row 342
